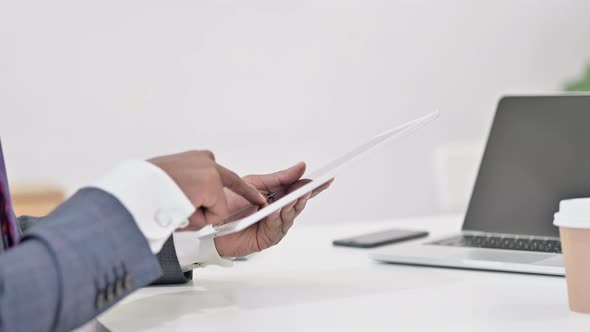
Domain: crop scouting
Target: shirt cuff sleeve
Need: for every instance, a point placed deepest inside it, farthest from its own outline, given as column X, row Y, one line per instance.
column 193, row 252
column 156, row 203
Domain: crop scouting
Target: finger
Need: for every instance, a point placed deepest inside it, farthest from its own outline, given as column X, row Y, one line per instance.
column 280, row 179
column 300, row 183
column 294, row 186
column 273, row 229
column 301, row 203
column 196, row 221
column 321, row 188
column 236, row 184
column 208, row 154
column 217, row 212
column 288, row 215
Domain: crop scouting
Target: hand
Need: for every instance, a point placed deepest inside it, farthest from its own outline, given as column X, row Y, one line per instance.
column 273, row 228
column 203, row 181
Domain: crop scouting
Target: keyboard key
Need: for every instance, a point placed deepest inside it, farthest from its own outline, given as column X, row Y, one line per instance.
column 502, row 242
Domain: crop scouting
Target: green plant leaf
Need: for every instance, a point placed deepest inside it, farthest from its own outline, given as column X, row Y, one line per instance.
column 583, row 84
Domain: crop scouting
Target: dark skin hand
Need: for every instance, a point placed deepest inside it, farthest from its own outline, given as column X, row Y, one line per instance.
column 273, row 228
column 217, row 193
column 205, row 183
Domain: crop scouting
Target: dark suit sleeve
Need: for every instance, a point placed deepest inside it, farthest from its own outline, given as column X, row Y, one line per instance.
column 73, row 264
column 171, row 270
column 26, row 222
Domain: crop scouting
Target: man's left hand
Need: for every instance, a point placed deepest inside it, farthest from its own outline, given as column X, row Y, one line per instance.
column 273, row 228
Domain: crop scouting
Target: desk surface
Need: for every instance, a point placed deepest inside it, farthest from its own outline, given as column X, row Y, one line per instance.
column 305, row 283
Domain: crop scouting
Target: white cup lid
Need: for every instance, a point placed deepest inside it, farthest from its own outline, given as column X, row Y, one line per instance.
column 574, row 213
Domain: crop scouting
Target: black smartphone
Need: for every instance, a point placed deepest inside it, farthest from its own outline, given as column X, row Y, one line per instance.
column 380, row 238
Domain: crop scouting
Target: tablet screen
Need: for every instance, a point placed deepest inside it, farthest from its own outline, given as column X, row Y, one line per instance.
column 244, row 218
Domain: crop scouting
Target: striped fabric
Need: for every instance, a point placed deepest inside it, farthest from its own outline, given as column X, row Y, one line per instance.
column 10, row 233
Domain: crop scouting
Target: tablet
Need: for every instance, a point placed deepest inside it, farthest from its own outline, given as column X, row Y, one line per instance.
column 318, row 177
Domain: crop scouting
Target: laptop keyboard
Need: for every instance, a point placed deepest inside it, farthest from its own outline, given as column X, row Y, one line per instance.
column 502, row 242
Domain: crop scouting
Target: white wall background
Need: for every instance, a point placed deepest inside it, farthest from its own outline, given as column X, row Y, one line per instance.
column 265, row 83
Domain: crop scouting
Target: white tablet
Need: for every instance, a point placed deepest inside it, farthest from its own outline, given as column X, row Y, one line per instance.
column 318, row 177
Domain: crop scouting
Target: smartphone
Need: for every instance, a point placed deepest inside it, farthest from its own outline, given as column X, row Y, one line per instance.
column 380, row 238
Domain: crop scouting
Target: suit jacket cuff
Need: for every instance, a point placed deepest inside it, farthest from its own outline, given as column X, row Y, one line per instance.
column 172, row 272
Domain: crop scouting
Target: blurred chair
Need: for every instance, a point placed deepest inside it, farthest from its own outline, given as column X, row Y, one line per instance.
column 36, row 199
column 456, row 167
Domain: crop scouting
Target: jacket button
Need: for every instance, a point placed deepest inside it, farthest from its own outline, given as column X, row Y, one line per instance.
column 99, row 300
column 110, row 292
column 128, row 281
column 119, row 287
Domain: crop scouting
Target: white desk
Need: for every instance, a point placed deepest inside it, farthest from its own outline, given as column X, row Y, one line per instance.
column 306, row 284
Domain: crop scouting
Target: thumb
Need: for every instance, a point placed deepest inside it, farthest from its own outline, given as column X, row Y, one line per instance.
column 280, row 179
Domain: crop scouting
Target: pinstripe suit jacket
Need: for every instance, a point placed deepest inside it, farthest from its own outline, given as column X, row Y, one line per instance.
column 77, row 262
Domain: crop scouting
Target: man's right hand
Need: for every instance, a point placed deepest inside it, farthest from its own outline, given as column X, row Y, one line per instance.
column 202, row 180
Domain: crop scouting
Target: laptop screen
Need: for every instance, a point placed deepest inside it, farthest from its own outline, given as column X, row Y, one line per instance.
column 537, row 154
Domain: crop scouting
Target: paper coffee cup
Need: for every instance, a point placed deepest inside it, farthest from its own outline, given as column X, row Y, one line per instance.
column 573, row 220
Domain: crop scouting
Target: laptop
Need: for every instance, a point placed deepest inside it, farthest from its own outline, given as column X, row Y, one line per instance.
column 538, row 153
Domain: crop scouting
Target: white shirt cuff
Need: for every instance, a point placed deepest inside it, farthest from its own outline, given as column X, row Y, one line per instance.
column 193, row 252
column 154, row 200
